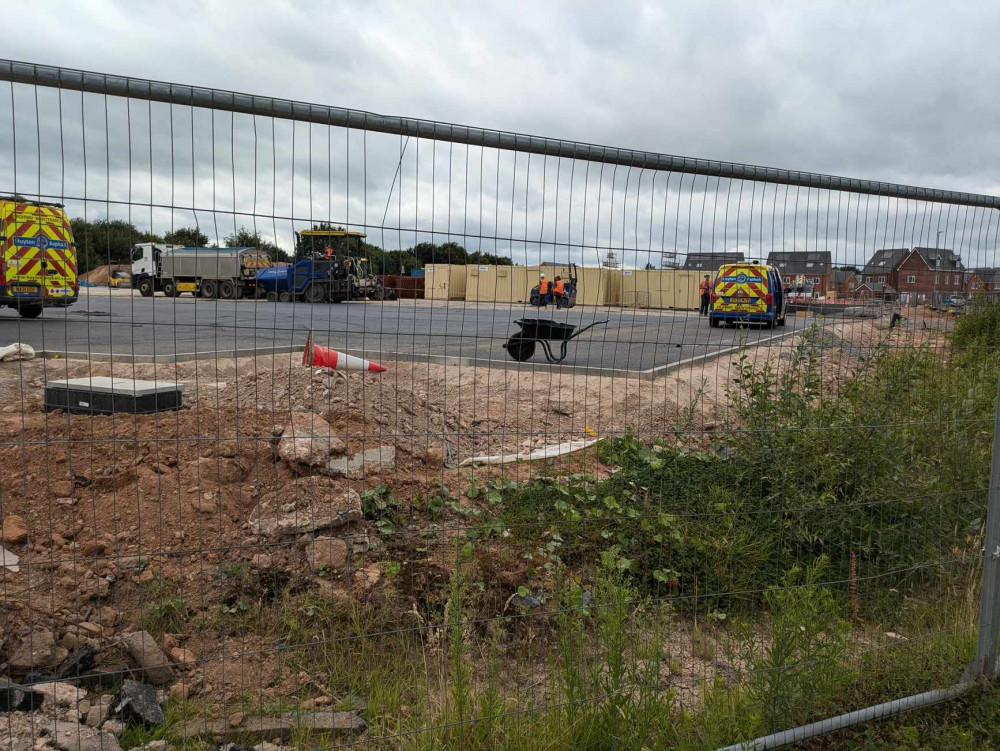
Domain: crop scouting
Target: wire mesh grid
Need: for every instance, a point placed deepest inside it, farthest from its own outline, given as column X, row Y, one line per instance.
column 749, row 496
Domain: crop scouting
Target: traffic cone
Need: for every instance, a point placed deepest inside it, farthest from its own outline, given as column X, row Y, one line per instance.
column 324, row 357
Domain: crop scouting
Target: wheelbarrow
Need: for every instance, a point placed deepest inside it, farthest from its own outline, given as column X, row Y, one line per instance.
column 544, row 331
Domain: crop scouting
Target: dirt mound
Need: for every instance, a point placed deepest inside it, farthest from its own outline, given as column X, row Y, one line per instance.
column 100, row 275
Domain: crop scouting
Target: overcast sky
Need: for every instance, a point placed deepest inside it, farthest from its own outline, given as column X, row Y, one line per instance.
column 904, row 92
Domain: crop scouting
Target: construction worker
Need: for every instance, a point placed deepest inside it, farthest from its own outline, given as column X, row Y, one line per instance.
column 706, row 295
column 543, row 290
column 558, row 287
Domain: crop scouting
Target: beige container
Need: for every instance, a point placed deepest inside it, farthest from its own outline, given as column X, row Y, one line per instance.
column 445, row 281
column 659, row 289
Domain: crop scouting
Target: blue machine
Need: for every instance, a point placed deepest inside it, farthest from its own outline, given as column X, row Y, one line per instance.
column 310, row 279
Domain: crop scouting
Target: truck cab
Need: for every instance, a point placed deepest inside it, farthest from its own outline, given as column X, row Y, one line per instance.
column 145, row 265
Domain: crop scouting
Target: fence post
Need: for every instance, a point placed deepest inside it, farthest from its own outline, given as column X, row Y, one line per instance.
column 985, row 663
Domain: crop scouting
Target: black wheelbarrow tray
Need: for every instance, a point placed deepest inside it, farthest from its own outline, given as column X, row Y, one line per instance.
column 544, row 331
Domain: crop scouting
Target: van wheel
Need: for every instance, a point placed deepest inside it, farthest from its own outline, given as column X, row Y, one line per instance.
column 783, row 320
column 713, row 322
column 29, row 311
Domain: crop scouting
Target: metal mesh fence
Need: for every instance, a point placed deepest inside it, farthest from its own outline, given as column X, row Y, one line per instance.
column 624, row 510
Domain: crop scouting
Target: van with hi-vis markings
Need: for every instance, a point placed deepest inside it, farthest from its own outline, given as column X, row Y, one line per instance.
column 748, row 293
column 37, row 257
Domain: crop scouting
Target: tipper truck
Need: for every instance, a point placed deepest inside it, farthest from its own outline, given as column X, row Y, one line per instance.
column 226, row 273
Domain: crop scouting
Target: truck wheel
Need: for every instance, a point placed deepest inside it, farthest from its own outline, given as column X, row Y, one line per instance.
column 170, row 289
column 284, row 297
column 209, row 289
column 315, row 293
column 272, row 297
column 146, row 288
column 29, row 311
column 227, row 290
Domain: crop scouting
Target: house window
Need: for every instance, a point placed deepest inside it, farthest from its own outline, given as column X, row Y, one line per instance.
column 809, row 264
column 868, row 279
column 881, row 280
column 957, row 280
column 936, row 278
column 975, row 285
column 788, row 280
column 815, row 280
column 911, row 279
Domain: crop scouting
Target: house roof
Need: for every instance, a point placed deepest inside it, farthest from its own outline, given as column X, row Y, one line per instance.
column 884, row 261
column 940, row 258
column 840, row 276
column 986, row 275
column 711, row 261
column 801, row 262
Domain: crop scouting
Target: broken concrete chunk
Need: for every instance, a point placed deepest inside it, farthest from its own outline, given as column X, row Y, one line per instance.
column 308, row 440
column 327, row 553
column 37, row 650
column 136, row 703
column 15, row 531
column 275, row 727
column 17, row 698
column 9, row 560
column 60, row 693
column 370, row 462
column 316, row 516
column 143, row 650
column 72, row 737
column 99, row 711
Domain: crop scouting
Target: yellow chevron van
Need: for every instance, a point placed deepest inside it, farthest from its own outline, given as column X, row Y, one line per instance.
column 747, row 293
column 37, row 257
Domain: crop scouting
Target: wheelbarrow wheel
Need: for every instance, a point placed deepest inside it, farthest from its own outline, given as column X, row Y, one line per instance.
column 519, row 348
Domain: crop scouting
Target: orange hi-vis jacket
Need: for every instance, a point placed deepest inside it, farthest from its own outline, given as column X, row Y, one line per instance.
column 543, row 287
column 706, row 286
column 558, row 288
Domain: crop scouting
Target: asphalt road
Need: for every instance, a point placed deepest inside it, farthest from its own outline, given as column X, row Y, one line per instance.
column 128, row 325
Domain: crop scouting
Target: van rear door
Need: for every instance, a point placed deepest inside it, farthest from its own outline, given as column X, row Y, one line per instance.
column 40, row 258
column 741, row 288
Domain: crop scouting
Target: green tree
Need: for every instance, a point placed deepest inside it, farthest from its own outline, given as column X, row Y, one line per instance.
column 245, row 238
column 189, row 236
column 106, row 241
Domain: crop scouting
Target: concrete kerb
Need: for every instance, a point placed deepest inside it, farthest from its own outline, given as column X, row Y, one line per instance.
column 474, row 362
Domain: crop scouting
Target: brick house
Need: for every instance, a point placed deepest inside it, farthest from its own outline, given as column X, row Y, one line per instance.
column 844, row 282
column 815, row 267
column 711, row 261
column 982, row 281
column 916, row 275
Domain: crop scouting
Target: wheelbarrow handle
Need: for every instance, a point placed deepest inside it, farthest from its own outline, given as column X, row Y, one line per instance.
column 595, row 323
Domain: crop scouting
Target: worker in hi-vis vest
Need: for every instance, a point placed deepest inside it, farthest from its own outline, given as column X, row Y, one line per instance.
column 543, row 290
column 558, row 287
column 706, row 295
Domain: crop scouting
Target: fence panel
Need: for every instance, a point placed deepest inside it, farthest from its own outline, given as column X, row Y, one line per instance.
column 613, row 524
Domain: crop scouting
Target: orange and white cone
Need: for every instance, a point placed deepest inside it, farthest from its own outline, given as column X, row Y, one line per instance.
column 324, row 357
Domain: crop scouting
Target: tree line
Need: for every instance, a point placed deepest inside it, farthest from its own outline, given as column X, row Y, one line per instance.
column 110, row 241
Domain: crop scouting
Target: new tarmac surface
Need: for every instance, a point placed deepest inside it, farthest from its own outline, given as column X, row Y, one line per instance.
column 120, row 325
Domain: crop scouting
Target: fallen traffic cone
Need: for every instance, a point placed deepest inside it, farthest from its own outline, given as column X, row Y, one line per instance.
column 324, row 357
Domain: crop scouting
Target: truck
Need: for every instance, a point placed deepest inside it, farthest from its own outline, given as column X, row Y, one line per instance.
column 226, row 273
column 38, row 263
